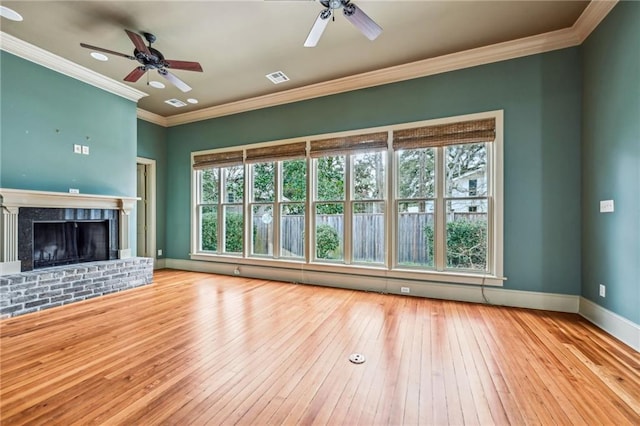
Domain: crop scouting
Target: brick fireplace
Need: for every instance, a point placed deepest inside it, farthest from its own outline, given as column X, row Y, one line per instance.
column 58, row 248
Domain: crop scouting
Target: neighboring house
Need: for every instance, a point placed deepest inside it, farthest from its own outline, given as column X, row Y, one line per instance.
column 471, row 184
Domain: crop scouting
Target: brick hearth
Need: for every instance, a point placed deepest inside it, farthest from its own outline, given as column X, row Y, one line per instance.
column 47, row 288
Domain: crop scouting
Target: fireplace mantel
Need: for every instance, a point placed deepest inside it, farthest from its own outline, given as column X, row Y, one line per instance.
column 25, row 198
column 12, row 199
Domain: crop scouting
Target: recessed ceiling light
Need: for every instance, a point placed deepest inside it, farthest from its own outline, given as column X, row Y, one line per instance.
column 99, row 56
column 156, row 84
column 192, row 101
column 10, row 14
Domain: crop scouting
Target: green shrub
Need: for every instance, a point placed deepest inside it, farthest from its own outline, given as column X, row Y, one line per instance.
column 327, row 241
column 466, row 244
column 234, row 233
column 234, row 228
column 210, row 231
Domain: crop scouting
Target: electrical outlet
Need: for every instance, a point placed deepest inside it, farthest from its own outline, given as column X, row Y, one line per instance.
column 159, row 252
column 603, row 290
column 236, row 271
column 405, row 290
column 85, row 150
column 77, row 149
column 74, row 191
column 606, row 206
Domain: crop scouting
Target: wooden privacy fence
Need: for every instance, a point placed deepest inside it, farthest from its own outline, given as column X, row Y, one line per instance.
column 413, row 243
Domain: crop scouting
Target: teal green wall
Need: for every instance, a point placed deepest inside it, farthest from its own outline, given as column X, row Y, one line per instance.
column 611, row 162
column 541, row 97
column 44, row 113
column 152, row 144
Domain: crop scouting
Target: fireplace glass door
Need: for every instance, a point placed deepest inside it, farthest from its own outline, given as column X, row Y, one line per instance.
column 66, row 242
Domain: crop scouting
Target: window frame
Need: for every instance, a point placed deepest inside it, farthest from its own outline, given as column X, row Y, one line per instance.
column 493, row 276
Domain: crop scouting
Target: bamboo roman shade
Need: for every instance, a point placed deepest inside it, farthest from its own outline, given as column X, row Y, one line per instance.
column 335, row 146
column 473, row 131
column 277, row 152
column 218, row 159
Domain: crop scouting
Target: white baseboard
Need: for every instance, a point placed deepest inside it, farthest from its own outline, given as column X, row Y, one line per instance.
column 447, row 291
column 160, row 264
column 619, row 327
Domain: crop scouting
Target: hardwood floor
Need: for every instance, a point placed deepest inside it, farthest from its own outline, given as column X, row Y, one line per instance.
column 195, row 349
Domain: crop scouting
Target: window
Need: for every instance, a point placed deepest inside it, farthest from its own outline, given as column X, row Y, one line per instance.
column 368, row 207
column 349, row 198
column 473, row 187
column 416, row 189
column 263, row 197
column 329, row 207
column 442, row 177
column 293, row 196
column 421, row 201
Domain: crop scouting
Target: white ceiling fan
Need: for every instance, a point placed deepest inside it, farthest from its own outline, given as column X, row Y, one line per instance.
column 353, row 13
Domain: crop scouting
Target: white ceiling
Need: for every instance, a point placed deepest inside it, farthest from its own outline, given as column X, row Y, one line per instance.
column 239, row 42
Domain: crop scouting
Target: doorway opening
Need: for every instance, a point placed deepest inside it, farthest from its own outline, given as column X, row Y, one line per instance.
column 146, row 207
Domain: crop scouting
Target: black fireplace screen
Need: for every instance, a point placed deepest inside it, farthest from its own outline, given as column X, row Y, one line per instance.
column 67, row 242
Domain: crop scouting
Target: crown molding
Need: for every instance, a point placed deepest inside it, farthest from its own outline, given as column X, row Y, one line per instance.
column 546, row 42
column 151, row 117
column 590, row 18
column 593, row 14
column 32, row 53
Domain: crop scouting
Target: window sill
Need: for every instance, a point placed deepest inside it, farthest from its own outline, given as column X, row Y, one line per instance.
column 376, row 271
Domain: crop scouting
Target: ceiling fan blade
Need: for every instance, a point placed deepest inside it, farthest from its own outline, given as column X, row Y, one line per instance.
column 135, row 74
column 100, row 49
column 138, row 42
column 183, row 65
column 318, row 28
column 361, row 21
column 175, row 80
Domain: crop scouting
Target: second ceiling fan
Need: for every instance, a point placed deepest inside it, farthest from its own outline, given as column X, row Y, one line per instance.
column 353, row 13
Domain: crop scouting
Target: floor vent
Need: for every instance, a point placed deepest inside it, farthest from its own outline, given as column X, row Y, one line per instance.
column 357, row 358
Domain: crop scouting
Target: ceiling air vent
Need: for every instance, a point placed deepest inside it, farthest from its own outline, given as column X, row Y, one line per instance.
column 175, row 102
column 277, row 77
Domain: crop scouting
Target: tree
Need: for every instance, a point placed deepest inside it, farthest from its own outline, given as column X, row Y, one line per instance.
column 264, row 181
column 210, row 188
column 234, row 183
column 369, row 176
column 294, row 180
column 461, row 160
column 417, row 173
column 327, row 241
column 330, row 181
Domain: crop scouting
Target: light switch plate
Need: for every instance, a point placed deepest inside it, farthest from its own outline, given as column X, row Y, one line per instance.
column 85, row 150
column 606, row 206
column 77, row 149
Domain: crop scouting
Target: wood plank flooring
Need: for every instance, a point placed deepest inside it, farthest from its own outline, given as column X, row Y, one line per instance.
column 199, row 349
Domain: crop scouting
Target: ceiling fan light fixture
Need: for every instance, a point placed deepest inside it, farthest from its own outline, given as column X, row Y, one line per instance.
column 99, row 56
column 156, row 84
column 10, row 14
